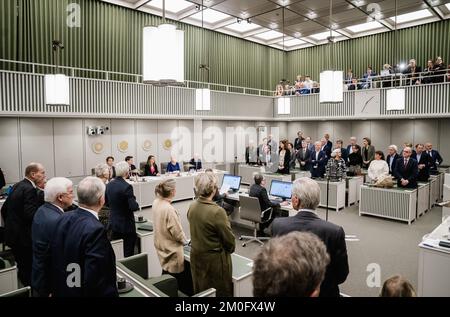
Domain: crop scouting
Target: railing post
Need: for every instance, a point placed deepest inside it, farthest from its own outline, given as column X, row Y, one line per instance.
column 32, row 68
column 106, row 75
column 228, row 88
column 72, row 72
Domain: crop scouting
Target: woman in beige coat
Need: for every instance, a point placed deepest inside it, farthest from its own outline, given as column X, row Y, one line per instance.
column 169, row 235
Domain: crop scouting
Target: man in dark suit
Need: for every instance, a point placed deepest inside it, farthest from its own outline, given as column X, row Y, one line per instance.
column 20, row 208
column 317, row 161
column 58, row 197
column 353, row 141
column 2, row 179
column 424, row 163
column 259, row 191
column 130, row 161
column 306, row 198
column 83, row 261
column 435, row 156
column 344, row 152
column 298, row 140
column 122, row 202
column 406, row 170
column 112, row 169
column 413, row 73
column 325, row 147
column 195, row 162
column 329, row 143
column 392, row 158
column 303, row 156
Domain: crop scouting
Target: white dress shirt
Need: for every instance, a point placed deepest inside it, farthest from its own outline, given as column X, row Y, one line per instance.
column 377, row 168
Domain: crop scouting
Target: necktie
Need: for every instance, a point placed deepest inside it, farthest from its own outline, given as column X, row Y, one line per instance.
column 405, row 164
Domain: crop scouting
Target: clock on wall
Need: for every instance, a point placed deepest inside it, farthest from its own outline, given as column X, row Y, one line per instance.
column 167, row 144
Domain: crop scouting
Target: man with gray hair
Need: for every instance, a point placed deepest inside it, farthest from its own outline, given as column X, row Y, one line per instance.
column 292, row 265
column 306, row 198
column 392, row 158
column 122, row 202
column 18, row 212
column 58, row 195
column 83, row 263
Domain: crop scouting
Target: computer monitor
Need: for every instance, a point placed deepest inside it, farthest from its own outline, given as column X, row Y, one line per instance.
column 281, row 189
column 231, row 182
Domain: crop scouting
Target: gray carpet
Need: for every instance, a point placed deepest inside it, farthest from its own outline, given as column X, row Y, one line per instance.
column 390, row 244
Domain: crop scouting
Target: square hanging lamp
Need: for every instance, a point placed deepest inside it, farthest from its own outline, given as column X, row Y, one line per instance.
column 163, row 54
column 57, row 90
column 331, row 86
column 284, row 105
column 203, row 99
column 395, row 99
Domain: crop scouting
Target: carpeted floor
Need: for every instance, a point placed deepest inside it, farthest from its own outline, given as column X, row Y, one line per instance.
column 390, row 244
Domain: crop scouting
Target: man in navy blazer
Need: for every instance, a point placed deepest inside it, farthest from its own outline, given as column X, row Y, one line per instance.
column 406, row 170
column 122, row 203
column 83, row 260
column 325, row 147
column 392, row 158
column 317, row 161
column 58, row 196
column 435, row 156
column 306, row 198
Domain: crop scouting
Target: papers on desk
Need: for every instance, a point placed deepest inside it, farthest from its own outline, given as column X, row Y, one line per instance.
column 224, row 189
column 434, row 243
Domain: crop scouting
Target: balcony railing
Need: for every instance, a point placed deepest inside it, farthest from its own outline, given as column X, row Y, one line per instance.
column 38, row 68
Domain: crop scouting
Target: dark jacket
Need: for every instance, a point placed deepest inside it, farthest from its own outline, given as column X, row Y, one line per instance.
column 334, row 238
column 21, row 206
column 388, row 159
column 2, row 179
column 286, row 163
column 304, row 157
column 122, row 202
column 79, row 238
column 251, row 155
column 327, row 149
column 424, row 173
column 370, row 156
column 44, row 223
column 410, row 172
column 147, row 171
column 317, row 165
column 436, row 157
column 260, row 192
column 195, row 165
column 344, row 154
column 298, row 143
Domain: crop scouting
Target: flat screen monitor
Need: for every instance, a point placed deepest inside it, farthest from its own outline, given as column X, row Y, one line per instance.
column 231, row 182
column 281, row 189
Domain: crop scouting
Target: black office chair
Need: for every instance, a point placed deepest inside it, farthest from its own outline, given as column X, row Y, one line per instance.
column 163, row 168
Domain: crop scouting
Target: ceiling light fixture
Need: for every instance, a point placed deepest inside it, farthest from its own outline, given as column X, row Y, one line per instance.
column 57, row 86
column 163, row 43
column 395, row 97
column 203, row 95
column 331, row 87
column 284, row 102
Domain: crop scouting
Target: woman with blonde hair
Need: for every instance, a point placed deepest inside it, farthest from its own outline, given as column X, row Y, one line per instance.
column 169, row 235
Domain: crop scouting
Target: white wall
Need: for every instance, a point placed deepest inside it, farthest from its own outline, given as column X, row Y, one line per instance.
column 65, row 149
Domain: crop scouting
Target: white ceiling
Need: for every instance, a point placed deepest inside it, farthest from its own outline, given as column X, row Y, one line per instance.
column 305, row 22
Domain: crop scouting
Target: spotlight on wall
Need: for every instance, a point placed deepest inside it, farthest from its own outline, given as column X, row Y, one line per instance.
column 101, row 130
column 91, row 131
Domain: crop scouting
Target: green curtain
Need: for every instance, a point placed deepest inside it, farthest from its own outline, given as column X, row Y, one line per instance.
column 110, row 38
